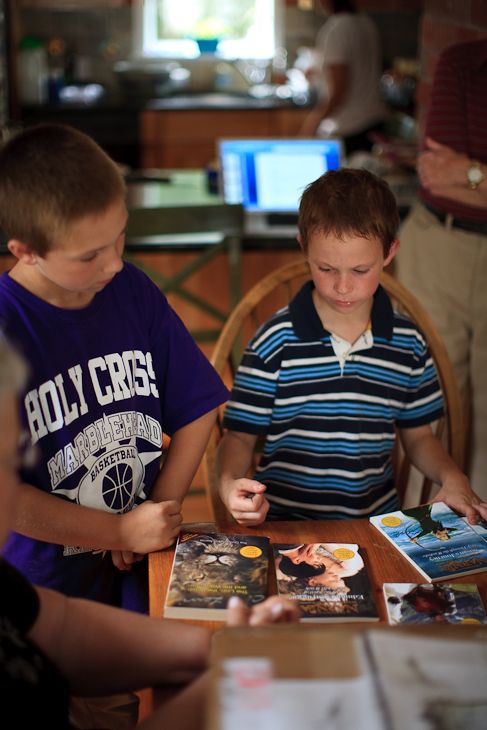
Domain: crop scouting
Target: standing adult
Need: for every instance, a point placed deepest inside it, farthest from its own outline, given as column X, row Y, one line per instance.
column 443, row 254
column 349, row 104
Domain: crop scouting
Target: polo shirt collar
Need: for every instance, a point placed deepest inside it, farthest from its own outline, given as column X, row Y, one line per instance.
column 307, row 324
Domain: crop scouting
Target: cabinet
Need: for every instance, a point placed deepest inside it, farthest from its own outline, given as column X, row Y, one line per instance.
column 187, row 139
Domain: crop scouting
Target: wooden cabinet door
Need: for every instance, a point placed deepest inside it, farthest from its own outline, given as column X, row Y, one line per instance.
column 187, row 139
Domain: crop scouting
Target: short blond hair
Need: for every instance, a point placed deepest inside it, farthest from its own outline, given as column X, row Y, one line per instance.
column 51, row 176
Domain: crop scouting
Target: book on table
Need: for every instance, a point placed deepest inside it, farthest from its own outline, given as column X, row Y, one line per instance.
column 329, row 581
column 428, row 603
column 209, row 568
column 440, row 544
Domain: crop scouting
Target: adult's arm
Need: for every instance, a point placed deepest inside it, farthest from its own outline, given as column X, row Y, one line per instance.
column 337, row 79
column 452, row 136
column 442, row 172
column 102, row 650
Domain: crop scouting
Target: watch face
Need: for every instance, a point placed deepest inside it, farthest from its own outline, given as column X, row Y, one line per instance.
column 475, row 175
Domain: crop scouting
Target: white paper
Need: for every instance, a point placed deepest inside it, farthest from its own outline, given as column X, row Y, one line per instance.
column 431, row 683
column 292, row 704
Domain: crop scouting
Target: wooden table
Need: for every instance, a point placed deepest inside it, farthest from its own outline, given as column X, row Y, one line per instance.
column 303, row 650
column 383, row 562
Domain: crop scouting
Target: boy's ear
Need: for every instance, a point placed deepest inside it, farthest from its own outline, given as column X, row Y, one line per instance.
column 298, row 237
column 392, row 251
column 21, row 251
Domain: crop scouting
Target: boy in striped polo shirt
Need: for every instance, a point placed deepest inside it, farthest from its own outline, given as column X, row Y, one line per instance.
column 326, row 379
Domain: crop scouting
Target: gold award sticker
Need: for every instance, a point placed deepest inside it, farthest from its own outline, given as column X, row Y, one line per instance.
column 344, row 554
column 391, row 521
column 250, row 551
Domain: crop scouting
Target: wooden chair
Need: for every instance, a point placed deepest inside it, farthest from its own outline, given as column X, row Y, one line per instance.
column 276, row 290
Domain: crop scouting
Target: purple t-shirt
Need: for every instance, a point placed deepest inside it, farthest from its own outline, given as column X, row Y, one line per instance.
column 106, row 382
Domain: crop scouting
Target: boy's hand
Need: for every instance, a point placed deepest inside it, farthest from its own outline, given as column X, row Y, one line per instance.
column 245, row 500
column 271, row 611
column 457, row 494
column 150, row 526
column 124, row 559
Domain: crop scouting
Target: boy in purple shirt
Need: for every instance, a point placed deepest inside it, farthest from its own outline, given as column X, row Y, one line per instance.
column 112, row 368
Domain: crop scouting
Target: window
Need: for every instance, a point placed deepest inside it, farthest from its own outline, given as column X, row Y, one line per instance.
column 238, row 28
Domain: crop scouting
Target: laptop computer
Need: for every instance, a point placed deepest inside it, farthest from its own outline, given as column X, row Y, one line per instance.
column 267, row 177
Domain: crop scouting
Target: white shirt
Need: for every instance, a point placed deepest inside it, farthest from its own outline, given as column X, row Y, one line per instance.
column 352, row 39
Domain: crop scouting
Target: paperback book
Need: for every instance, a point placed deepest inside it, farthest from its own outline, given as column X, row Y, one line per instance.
column 209, row 568
column 427, row 603
column 329, row 581
column 435, row 540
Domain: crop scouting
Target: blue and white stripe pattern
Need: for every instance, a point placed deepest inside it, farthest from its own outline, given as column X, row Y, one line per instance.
column 329, row 433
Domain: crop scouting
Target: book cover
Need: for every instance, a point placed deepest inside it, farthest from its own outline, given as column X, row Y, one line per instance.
column 209, row 568
column 329, row 580
column 435, row 540
column 427, row 603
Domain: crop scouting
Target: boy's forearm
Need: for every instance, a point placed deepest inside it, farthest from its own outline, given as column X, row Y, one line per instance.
column 46, row 517
column 182, row 459
column 234, row 456
column 428, row 455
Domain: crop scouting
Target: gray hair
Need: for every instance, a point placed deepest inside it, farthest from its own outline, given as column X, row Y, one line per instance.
column 13, row 371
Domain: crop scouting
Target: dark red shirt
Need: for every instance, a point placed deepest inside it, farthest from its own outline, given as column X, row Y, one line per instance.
column 457, row 114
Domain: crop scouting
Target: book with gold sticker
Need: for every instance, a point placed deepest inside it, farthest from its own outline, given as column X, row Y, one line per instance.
column 209, row 568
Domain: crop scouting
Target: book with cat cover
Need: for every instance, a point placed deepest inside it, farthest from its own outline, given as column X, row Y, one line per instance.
column 428, row 603
column 439, row 543
column 209, row 568
column 329, row 580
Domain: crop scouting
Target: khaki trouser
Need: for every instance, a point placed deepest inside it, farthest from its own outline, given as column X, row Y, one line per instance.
column 446, row 269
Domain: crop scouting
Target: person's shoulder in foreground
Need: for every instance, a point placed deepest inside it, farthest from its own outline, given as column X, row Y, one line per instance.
column 347, row 221
column 52, row 646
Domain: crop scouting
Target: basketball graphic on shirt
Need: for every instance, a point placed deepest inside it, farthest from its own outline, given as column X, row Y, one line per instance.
column 117, row 487
column 113, row 480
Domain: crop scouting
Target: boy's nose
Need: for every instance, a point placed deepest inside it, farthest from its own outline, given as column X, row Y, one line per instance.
column 343, row 284
column 114, row 264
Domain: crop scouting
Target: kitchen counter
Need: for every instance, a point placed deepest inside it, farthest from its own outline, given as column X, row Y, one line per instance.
column 176, row 131
column 218, row 100
column 193, row 101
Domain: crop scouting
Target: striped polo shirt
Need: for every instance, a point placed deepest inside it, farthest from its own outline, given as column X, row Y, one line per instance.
column 327, row 411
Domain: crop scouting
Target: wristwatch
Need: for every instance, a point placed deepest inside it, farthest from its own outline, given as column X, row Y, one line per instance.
column 474, row 175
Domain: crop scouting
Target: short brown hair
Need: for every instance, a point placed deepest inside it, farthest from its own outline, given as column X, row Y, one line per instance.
column 52, row 175
column 349, row 202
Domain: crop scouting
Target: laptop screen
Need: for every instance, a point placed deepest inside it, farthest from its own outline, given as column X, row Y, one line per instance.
column 269, row 175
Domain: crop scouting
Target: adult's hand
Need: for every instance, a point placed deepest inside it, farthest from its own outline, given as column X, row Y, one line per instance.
column 271, row 611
